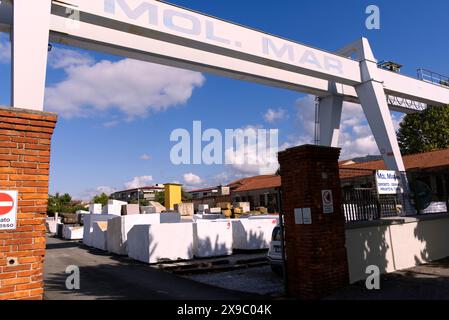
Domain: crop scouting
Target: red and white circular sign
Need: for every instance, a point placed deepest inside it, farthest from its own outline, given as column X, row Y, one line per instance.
column 6, row 203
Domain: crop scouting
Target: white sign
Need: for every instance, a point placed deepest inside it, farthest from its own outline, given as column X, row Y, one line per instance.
column 8, row 210
column 307, row 216
column 298, row 216
column 328, row 201
column 303, row 216
column 388, row 182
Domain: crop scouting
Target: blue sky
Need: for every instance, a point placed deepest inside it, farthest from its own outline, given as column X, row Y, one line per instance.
column 99, row 147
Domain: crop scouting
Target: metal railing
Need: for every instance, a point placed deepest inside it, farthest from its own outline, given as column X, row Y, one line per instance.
column 360, row 205
column 360, row 200
column 433, row 77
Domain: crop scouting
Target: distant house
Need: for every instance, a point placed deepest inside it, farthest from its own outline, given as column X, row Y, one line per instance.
column 210, row 196
column 147, row 193
column 431, row 168
column 259, row 191
column 209, row 192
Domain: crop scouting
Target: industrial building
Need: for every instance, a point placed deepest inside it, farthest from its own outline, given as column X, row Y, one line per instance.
column 147, row 193
column 430, row 170
column 259, row 191
column 210, row 196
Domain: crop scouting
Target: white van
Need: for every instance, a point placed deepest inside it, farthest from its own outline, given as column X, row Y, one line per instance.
column 275, row 251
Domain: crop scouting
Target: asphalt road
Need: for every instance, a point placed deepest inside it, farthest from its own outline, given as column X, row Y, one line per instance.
column 425, row 282
column 108, row 277
column 260, row 280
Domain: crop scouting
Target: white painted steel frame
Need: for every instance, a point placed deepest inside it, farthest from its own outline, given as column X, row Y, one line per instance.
column 162, row 33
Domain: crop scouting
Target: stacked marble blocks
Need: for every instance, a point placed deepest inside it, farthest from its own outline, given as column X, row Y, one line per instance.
column 212, row 238
column 130, row 209
column 99, row 235
column 185, row 209
column 153, row 207
column 89, row 220
column 161, row 242
column 114, row 207
column 119, row 227
column 95, row 208
column 253, row 234
column 72, row 233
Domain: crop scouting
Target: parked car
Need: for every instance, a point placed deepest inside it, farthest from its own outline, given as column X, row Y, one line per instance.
column 275, row 251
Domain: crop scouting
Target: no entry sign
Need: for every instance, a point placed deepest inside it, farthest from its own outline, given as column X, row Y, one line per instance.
column 328, row 201
column 8, row 210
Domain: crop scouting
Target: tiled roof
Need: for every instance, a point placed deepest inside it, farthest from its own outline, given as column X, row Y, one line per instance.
column 256, row 183
column 426, row 160
column 434, row 159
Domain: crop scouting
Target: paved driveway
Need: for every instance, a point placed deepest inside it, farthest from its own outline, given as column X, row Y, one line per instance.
column 106, row 277
column 426, row 282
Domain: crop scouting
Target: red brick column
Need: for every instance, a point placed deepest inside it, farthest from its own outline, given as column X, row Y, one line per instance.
column 25, row 138
column 316, row 254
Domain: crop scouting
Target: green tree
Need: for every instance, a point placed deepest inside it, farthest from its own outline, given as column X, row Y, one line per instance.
column 185, row 195
column 160, row 197
column 62, row 204
column 102, row 198
column 58, row 203
column 425, row 131
column 142, row 202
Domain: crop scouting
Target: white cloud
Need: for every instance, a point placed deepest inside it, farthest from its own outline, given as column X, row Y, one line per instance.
column 245, row 157
column 90, row 193
column 145, row 157
column 222, row 178
column 138, row 182
column 356, row 138
column 106, row 189
column 192, row 179
column 111, row 124
column 135, row 88
column 397, row 119
column 5, row 48
column 273, row 115
column 60, row 58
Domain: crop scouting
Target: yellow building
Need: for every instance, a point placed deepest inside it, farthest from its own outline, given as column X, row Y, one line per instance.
column 172, row 195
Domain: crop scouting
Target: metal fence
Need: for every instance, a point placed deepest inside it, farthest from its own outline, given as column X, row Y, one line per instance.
column 364, row 204
column 433, row 77
column 360, row 199
column 360, row 205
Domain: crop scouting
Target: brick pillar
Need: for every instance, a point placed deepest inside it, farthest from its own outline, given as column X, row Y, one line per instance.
column 25, row 138
column 316, row 254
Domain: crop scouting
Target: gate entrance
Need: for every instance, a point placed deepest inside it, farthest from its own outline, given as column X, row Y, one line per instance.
column 166, row 34
column 161, row 33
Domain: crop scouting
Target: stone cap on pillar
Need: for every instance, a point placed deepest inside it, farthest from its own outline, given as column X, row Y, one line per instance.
column 311, row 151
column 7, row 113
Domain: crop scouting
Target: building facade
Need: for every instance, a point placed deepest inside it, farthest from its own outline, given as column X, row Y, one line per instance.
column 210, row 196
column 427, row 173
column 259, row 191
column 147, row 193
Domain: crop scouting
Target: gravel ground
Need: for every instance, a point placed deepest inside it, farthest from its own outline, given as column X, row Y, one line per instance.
column 260, row 280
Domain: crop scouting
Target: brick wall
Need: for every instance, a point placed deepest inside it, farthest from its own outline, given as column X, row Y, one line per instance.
column 316, row 253
column 25, row 138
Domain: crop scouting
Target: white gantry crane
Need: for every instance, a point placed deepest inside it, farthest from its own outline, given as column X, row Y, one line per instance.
column 162, row 33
